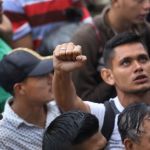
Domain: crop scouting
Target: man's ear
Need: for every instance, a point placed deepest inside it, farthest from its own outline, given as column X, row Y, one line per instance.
column 128, row 144
column 107, row 76
column 19, row 88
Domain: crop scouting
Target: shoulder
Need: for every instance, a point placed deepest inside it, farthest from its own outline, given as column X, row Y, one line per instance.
column 13, row 5
column 86, row 36
column 83, row 30
column 118, row 106
column 9, row 136
column 97, row 109
column 5, row 130
column 97, row 18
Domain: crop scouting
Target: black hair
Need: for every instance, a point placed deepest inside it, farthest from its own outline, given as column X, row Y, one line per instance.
column 130, row 120
column 70, row 129
column 117, row 40
column 1, row 117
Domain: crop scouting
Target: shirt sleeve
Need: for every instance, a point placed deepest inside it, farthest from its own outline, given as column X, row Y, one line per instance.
column 98, row 110
column 15, row 12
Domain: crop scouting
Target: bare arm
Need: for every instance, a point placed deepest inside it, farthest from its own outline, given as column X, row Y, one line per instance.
column 25, row 41
column 65, row 61
column 6, row 30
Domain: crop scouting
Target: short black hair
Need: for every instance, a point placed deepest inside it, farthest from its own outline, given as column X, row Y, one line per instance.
column 130, row 120
column 70, row 129
column 1, row 116
column 117, row 40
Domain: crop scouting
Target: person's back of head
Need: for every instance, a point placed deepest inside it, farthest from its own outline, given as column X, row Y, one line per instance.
column 132, row 127
column 70, row 129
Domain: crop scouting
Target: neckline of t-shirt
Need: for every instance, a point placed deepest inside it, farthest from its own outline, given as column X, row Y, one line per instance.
column 118, row 104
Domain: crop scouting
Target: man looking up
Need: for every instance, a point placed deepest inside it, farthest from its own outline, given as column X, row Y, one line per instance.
column 127, row 67
column 120, row 16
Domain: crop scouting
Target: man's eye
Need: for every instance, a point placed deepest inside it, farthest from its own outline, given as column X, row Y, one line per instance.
column 143, row 59
column 125, row 63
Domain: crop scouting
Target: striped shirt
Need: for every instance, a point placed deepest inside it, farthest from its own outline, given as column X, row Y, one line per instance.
column 40, row 16
column 17, row 134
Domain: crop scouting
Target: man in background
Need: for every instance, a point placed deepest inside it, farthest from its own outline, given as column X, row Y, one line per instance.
column 127, row 67
column 33, row 20
column 118, row 17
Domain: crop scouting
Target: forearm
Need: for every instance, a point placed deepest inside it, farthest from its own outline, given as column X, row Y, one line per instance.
column 25, row 41
column 6, row 30
column 66, row 59
column 64, row 91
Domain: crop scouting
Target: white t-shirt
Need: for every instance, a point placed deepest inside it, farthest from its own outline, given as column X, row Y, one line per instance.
column 98, row 110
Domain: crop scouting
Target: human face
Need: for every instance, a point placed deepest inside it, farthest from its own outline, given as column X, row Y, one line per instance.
column 96, row 142
column 144, row 137
column 38, row 89
column 131, row 68
column 134, row 11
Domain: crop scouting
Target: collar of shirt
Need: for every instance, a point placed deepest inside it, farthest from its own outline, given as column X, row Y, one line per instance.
column 9, row 114
column 118, row 104
column 17, row 121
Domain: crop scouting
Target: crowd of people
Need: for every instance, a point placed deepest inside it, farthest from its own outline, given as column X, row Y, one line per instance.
column 73, row 81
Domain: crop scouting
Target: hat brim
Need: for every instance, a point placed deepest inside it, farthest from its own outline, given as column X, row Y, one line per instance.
column 44, row 67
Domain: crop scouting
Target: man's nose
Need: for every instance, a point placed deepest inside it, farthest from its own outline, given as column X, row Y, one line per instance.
column 146, row 5
column 138, row 66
